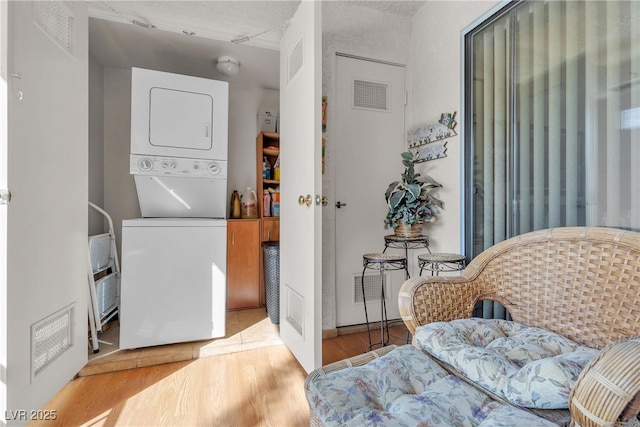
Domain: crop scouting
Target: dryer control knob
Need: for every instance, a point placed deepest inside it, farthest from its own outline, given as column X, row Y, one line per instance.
column 169, row 164
column 145, row 164
column 213, row 168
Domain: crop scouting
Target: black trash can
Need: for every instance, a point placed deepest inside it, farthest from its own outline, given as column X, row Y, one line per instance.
column 271, row 261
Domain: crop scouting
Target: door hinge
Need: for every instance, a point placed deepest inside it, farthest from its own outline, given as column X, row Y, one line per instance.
column 5, row 196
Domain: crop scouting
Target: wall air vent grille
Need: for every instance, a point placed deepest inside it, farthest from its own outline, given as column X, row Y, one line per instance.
column 370, row 95
column 56, row 21
column 296, row 59
column 372, row 288
column 50, row 338
column 295, row 310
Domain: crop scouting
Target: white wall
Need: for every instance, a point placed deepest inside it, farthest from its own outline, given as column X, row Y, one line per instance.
column 244, row 103
column 120, row 197
column 355, row 30
column 435, row 87
column 96, row 144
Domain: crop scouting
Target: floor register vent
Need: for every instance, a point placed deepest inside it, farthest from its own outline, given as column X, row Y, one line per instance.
column 50, row 338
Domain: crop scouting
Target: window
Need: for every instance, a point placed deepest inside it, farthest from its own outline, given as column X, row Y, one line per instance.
column 552, row 114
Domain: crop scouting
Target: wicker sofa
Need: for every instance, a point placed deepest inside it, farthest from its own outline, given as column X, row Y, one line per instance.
column 580, row 283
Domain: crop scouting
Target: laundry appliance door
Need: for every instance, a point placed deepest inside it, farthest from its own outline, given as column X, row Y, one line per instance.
column 179, row 116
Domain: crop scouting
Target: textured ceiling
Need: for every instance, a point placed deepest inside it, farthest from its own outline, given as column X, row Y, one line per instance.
column 219, row 20
column 262, row 21
column 121, row 45
column 188, row 36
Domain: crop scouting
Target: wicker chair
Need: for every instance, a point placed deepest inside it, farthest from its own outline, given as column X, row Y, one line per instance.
column 583, row 283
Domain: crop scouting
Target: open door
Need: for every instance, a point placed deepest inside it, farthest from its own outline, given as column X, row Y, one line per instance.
column 301, row 185
column 43, row 228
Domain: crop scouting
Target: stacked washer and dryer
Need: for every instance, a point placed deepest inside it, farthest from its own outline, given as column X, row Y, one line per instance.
column 173, row 286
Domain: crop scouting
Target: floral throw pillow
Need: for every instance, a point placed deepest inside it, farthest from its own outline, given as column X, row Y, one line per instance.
column 530, row 367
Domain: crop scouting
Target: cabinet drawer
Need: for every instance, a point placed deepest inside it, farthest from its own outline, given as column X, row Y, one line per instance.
column 270, row 229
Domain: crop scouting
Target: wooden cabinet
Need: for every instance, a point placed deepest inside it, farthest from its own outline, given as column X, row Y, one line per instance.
column 270, row 229
column 244, row 255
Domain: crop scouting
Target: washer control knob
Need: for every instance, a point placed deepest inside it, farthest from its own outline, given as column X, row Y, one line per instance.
column 213, row 168
column 169, row 164
column 145, row 164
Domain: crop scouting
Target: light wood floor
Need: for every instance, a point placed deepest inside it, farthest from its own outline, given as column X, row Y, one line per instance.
column 254, row 387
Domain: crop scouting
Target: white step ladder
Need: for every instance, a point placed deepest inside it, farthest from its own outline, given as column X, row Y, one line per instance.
column 104, row 280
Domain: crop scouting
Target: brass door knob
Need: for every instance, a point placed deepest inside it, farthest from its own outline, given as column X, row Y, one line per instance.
column 304, row 200
column 325, row 200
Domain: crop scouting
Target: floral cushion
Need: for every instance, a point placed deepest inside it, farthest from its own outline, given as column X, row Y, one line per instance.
column 406, row 388
column 529, row 367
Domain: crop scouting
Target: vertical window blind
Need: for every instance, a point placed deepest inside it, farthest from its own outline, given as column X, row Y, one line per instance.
column 552, row 121
column 552, row 114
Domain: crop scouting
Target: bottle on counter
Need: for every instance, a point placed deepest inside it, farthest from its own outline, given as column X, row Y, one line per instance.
column 275, row 202
column 249, row 204
column 266, row 168
column 276, row 169
column 236, row 210
column 266, row 203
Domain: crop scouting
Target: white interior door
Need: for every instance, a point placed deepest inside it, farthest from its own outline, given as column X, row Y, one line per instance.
column 300, row 148
column 369, row 138
column 43, row 230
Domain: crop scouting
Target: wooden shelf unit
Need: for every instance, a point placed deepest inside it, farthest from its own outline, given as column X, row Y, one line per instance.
column 267, row 144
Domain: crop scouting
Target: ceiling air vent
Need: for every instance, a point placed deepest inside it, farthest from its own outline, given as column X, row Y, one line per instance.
column 370, row 95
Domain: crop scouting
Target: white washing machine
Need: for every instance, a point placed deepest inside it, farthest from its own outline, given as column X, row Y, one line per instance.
column 173, row 285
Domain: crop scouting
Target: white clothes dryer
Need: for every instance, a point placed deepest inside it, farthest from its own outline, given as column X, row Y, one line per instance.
column 174, row 115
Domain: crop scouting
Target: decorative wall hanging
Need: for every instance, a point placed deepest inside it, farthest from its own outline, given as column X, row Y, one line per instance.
column 324, row 129
column 324, row 149
column 428, row 141
column 324, row 114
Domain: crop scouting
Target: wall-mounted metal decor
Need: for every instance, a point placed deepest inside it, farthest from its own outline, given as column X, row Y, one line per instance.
column 428, row 141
